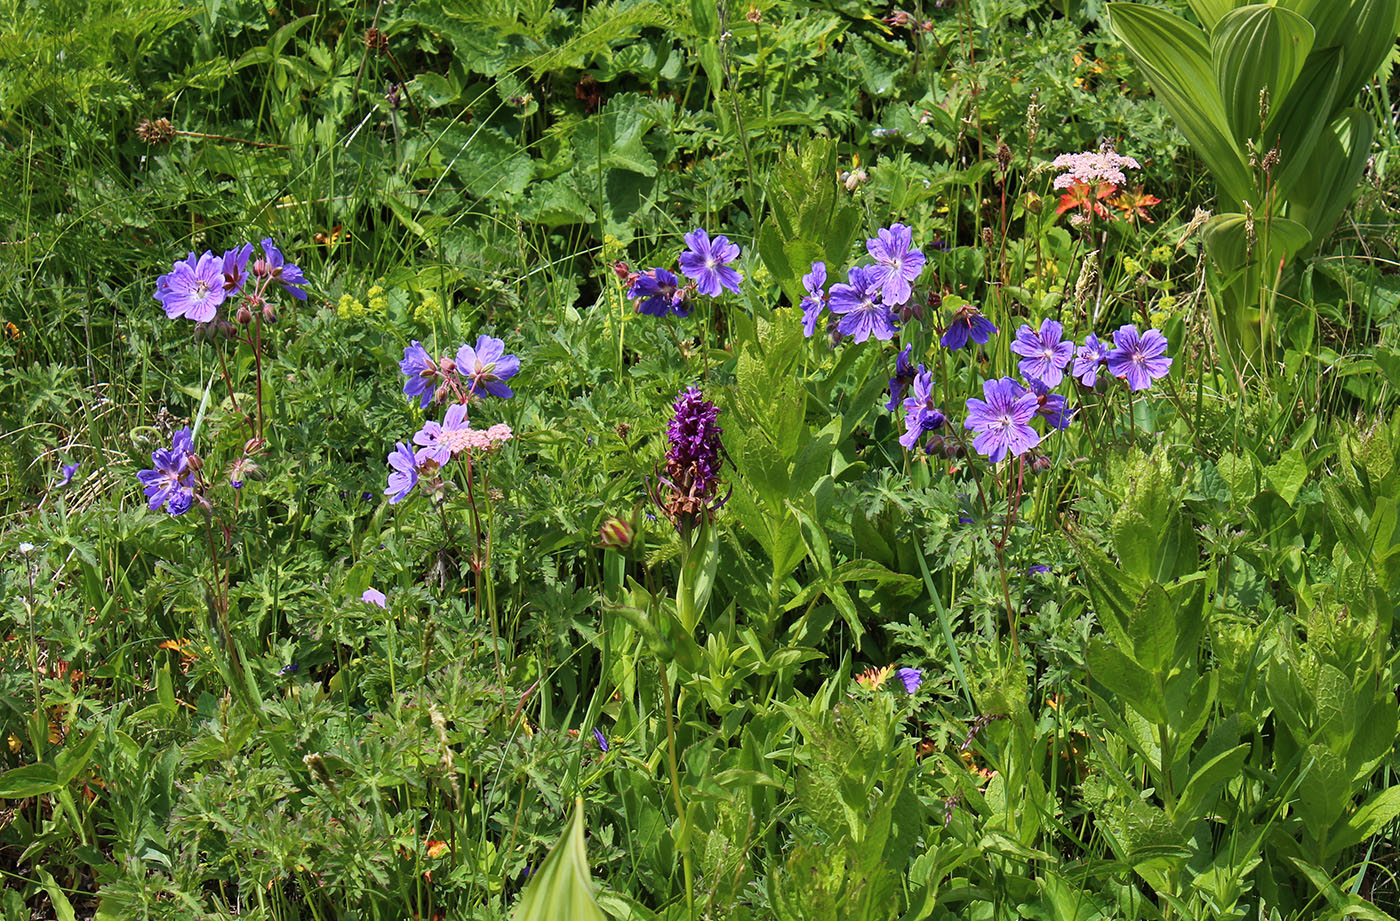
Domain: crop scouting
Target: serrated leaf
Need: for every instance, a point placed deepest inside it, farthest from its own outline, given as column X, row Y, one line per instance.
column 487, row 163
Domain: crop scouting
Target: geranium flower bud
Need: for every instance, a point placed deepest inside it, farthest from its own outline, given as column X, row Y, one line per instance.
column 448, row 365
column 244, row 316
column 269, row 315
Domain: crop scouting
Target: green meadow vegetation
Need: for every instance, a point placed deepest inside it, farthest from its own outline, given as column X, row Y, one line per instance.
column 786, row 459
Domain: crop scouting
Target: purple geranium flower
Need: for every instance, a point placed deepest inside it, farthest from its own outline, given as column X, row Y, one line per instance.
column 286, row 274
column 601, row 739
column 1037, row 569
column 897, row 261
column 968, row 323
column 236, row 268
column 422, row 372
column 1002, row 421
column 441, row 441
column 911, row 677
column 903, row 377
column 404, row 475
column 658, row 288
column 1052, row 406
column 487, row 366
column 706, row 262
column 815, row 301
column 858, row 304
column 374, row 596
column 66, row 473
column 1046, row 352
column 1093, row 355
column 1138, row 360
column 170, row 482
column 193, row 289
column 920, row 415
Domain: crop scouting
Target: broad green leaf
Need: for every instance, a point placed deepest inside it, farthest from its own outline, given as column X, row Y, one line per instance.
column 1176, row 59
column 487, row 163
column 1364, row 30
column 70, row 761
column 1288, row 475
column 562, row 888
column 1253, row 49
column 1209, row 12
column 1228, row 240
column 1126, row 680
column 1327, row 185
column 1298, row 121
column 1199, row 794
column 1153, row 630
column 1378, row 812
column 30, row 780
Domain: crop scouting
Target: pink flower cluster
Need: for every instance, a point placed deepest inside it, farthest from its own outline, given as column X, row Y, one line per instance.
column 1091, row 167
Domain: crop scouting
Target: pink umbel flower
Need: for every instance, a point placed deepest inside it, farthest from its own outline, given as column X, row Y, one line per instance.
column 1092, row 167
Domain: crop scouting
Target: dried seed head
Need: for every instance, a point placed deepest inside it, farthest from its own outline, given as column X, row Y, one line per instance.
column 376, row 41
column 1003, row 157
column 156, row 133
column 1088, row 279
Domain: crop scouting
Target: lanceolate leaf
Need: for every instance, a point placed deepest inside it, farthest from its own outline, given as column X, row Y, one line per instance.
column 1176, row 59
column 562, row 887
column 1254, row 49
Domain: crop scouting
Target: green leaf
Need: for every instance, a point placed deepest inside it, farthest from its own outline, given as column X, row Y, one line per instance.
column 488, row 163
column 1176, row 60
column 1209, row 12
column 1288, row 475
column 1199, row 794
column 1253, row 49
column 30, row 780
column 69, row 762
column 1378, row 812
column 1153, row 629
column 1126, row 680
column 562, row 888
column 1228, row 240
column 1328, row 183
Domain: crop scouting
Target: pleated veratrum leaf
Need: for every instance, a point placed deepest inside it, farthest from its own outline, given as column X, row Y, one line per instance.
column 1326, row 185
column 1176, row 59
column 1303, row 118
column 562, row 889
column 1227, row 240
column 1254, row 48
column 1365, row 30
column 1209, row 12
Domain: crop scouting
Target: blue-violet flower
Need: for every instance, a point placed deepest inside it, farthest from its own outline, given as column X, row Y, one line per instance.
column 1138, row 360
column 1045, row 353
column 1002, row 421
column 862, row 313
column 897, row 261
column 706, row 262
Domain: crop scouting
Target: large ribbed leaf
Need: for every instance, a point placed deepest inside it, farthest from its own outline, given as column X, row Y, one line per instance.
column 1364, row 29
column 1303, row 118
column 562, row 888
column 1252, row 49
column 1328, row 182
column 1209, row 12
column 1174, row 56
column 1227, row 240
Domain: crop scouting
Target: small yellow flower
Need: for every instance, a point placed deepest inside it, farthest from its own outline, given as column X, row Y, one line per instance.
column 1131, row 265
